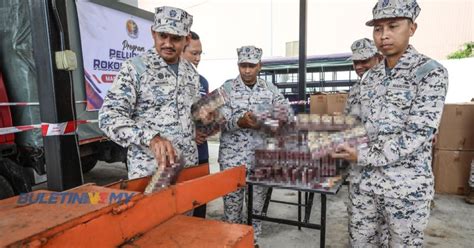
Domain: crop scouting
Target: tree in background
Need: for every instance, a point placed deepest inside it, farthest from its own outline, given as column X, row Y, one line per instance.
column 466, row 52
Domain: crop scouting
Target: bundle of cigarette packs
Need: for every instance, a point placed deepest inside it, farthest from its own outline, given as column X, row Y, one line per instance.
column 303, row 159
column 206, row 111
column 315, row 122
column 163, row 178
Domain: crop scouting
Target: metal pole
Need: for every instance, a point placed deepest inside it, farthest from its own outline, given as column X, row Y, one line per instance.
column 250, row 204
column 302, row 56
column 299, row 210
column 55, row 94
column 322, row 237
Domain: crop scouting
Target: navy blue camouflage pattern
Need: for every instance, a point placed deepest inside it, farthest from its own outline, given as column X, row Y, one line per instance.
column 237, row 145
column 147, row 99
column 172, row 20
column 384, row 9
column 401, row 109
column 401, row 113
column 373, row 217
column 471, row 177
column 363, row 49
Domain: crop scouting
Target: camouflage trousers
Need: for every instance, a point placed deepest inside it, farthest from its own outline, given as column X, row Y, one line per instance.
column 378, row 221
column 234, row 203
column 471, row 178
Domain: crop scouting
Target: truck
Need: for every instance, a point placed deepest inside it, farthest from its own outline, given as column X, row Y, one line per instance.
column 35, row 92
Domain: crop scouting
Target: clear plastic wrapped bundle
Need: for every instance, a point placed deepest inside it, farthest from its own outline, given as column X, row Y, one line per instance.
column 315, row 122
column 273, row 116
column 302, row 159
column 163, row 178
column 303, row 121
column 288, row 161
column 311, row 176
column 323, row 143
column 205, row 110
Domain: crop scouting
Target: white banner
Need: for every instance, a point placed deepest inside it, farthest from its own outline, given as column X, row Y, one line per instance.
column 108, row 37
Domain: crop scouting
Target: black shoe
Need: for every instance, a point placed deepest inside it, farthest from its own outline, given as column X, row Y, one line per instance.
column 470, row 197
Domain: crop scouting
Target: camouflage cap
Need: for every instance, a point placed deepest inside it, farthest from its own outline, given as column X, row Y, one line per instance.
column 394, row 8
column 249, row 54
column 363, row 49
column 172, row 21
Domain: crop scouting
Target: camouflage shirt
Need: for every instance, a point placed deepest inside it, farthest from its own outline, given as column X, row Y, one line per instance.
column 237, row 145
column 401, row 109
column 148, row 99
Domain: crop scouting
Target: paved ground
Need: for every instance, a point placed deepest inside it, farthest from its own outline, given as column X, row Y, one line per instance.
column 451, row 223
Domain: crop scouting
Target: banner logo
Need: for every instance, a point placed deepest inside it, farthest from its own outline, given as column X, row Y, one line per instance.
column 132, row 29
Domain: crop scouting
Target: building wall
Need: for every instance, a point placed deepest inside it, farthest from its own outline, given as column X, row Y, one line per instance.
column 133, row 3
column 224, row 25
column 444, row 25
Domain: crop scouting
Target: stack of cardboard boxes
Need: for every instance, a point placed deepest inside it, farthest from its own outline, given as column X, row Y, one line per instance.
column 327, row 103
column 454, row 149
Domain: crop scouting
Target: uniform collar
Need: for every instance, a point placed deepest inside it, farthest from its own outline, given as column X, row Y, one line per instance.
column 157, row 62
column 241, row 83
column 407, row 60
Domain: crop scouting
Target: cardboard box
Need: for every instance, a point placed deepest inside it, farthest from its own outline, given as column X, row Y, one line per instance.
column 318, row 104
column 336, row 103
column 456, row 130
column 451, row 170
column 328, row 103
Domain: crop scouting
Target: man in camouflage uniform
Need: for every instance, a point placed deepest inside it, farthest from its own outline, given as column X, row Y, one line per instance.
column 148, row 108
column 192, row 52
column 364, row 55
column 470, row 197
column 240, row 134
column 400, row 102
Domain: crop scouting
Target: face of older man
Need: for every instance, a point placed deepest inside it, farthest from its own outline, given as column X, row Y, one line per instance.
column 169, row 46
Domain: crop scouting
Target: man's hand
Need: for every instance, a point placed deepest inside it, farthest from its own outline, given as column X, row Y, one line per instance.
column 248, row 121
column 200, row 137
column 345, row 151
column 163, row 150
column 215, row 130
